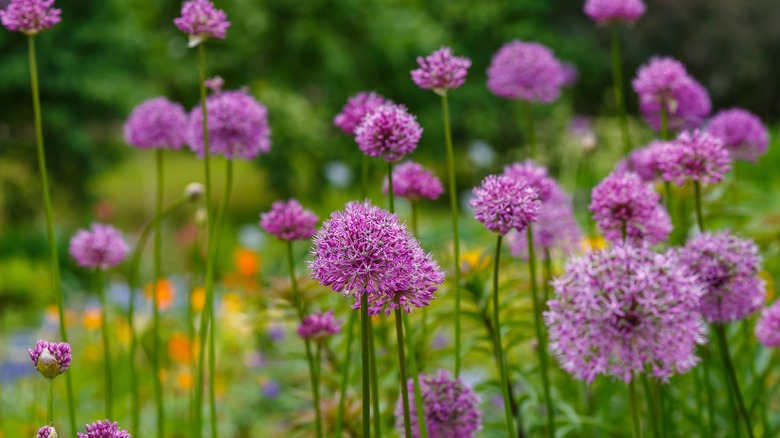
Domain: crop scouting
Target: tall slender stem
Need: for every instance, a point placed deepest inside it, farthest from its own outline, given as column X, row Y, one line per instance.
column 699, row 215
column 106, row 343
column 530, row 130
column 54, row 259
column 364, row 163
column 637, row 430
column 50, row 402
column 651, row 406
column 664, row 122
column 732, row 375
column 617, row 76
column 424, row 322
column 548, row 273
column 390, row 194
column 345, row 375
column 454, row 214
column 374, row 380
column 364, row 360
column 707, row 363
column 418, row 401
column 415, row 231
column 158, row 392
column 502, row 368
column 399, row 333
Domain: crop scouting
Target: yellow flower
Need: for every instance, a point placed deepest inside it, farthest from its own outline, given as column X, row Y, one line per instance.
column 92, row 318
column 233, row 303
column 247, row 261
column 184, row 380
column 198, row 299
column 593, row 243
column 474, row 259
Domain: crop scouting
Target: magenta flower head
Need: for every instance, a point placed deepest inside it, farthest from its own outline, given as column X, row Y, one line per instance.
column 644, row 161
column 556, row 229
column 238, row 126
column 104, row 429
column 502, row 203
column 768, row 326
column 727, row 267
column 201, row 21
column 289, row 221
column 624, row 310
column 50, row 358
column 319, row 326
column 696, row 156
column 441, row 71
column 525, row 71
column 46, row 432
column 30, row 16
column 157, row 123
column 451, row 408
column 741, row 132
column 624, row 201
column 533, row 175
column 365, row 250
column 102, row 247
column 357, row 107
column 413, row 181
column 610, row 11
column 389, row 132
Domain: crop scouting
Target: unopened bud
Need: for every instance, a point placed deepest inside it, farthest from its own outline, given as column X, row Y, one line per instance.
column 194, row 191
column 47, row 432
column 201, row 217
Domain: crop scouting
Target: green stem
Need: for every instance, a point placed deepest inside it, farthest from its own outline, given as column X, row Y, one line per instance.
column 399, row 333
column 345, row 374
column 617, row 74
column 50, row 402
column 664, row 122
column 374, row 380
column 422, row 427
column 158, row 392
column 706, row 364
column 637, row 431
column 652, row 406
column 502, row 366
column 732, row 375
column 699, row 406
column 530, row 129
column 661, row 408
column 106, row 343
column 54, row 259
column 454, row 214
column 699, row 215
column 364, row 360
column 415, row 231
column 365, row 162
column 390, row 194
column 548, row 274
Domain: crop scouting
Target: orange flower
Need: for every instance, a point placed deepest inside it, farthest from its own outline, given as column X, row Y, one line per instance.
column 92, row 318
column 184, row 380
column 166, row 292
column 198, row 299
column 179, row 348
column 247, row 261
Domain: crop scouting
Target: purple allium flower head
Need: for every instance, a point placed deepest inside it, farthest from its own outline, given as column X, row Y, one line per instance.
column 102, row 247
column 46, row 432
column 525, row 71
column 238, row 126
column 742, row 133
column 389, row 132
column 768, row 326
column 157, row 123
column 727, row 267
column 357, row 107
column 201, row 21
column 50, row 358
column 607, row 11
column 502, row 203
column 556, row 229
column 623, row 199
column 365, row 250
column 30, row 16
column 413, row 181
column 451, row 408
column 215, row 84
column 441, row 71
column 644, row 161
column 533, row 175
column 696, row 156
column 289, row 221
column 319, row 326
column 104, row 429
column 571, row 75
column 623, row 309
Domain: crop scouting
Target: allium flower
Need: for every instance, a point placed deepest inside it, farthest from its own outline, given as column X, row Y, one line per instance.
column 727, row 267
column 696, row 156
column 606, row 11
column 501, row 203
column 533, row 175
column 357, row 107
column 555, row 229
column 644, row 161
column 201, row 21
column 30, row 16
column 238, row 126
column 289, row 221
column 768, row 326
column 525, row 71
column 104, row 429
column 215, row 84
column 102, row 246
column 571, row 75
column 50, row 358
column 624, row 200
column 319, row 326
column 47, row 432
column 389, row 132
column 363, row 249
column 157, row 123
column 624, row 310
column 441, row 71
column 742, row 133
column 451, row 408
column 413, row 181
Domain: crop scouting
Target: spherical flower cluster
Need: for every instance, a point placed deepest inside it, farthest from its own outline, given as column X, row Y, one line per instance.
column 623, row 201
column 644, row 161
column 624, row 310
column 357, row 107
column 102, row 246
column 741, row 132
column 47, row 432
column 555, row 230
column 607, row 11
column 664, row 81
column 501, row 203
column 727, row 267
column 533, row 175
column 289, row 221
column 50, row 358
column 389, row 132
column 157, row 123
column 30, row 16
column 413, row 181
column 201, row 21
column 768, row 326
column 319, row 326
column 451, row 408
column 525, row 71
column 104, row 429
column 237, row 123
column 441, row 71
column 696, row 156
column 364, row 250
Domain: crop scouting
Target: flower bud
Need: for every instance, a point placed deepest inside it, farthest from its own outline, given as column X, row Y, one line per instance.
column 50, row 358
column 47, row 432
column 201, row 217
column 194, row 191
